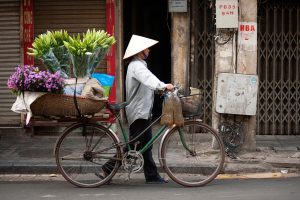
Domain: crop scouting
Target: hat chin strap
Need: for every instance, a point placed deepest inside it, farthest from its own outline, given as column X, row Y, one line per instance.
column 142, row 55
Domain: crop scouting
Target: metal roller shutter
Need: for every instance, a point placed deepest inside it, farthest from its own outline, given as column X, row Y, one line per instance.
column 75, row 16
column 9, row 57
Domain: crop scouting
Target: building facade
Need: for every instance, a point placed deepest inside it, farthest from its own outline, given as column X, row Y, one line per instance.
column 191, row 51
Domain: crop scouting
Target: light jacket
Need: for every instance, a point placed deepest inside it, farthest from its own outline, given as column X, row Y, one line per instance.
column 140, row 87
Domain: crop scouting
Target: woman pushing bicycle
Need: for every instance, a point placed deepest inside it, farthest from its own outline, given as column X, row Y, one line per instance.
column 191, row 152
column 140, row 86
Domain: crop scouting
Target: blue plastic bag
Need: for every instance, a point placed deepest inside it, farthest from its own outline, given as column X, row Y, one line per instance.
column 105, row 80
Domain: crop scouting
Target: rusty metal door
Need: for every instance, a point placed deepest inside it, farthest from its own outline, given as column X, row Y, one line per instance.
column 203, row 53
column 278, row 67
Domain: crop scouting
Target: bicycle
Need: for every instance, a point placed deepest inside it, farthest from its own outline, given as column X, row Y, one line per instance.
column 233, row 137
column 191, row 155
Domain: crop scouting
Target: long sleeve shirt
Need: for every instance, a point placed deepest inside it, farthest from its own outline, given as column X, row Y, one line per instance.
column 140, row 86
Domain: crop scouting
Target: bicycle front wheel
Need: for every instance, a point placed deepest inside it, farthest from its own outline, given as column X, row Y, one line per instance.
column 82, row 150
column 192, row 155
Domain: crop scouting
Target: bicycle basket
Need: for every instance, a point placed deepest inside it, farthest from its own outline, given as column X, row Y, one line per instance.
column 63, row 105
column 191, row 105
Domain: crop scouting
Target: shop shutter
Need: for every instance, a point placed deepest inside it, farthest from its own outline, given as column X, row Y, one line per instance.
column 75, row 16
column 9, row 58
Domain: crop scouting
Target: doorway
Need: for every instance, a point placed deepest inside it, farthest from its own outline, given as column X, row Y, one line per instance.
column 150, row 18
column 278, row 68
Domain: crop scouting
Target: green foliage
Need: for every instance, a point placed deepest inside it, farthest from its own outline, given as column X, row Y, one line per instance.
column 44, row 42
column 58, row 50
column 91, row 40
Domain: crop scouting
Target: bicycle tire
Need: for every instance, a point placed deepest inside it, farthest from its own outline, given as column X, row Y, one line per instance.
column 80, row 152
column 197, row 168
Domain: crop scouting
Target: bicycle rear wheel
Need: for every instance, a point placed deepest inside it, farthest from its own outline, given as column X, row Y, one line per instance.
column 192, row 155
column 82, row 150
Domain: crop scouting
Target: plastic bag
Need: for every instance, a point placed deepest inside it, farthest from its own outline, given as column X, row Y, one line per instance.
column 105, row 80
column 167, row 110
column 84, row 65
column 93, row 59
column 177, row 110
column 70, row 85
column 172, row 110
column 57, row 59
column 80, row 68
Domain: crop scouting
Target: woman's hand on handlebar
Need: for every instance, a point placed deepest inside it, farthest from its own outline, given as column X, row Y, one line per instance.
column 169, row 87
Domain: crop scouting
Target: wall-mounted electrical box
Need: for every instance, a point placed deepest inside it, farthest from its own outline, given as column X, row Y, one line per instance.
column 237, row 94
column 227, row 13
column 177, row 5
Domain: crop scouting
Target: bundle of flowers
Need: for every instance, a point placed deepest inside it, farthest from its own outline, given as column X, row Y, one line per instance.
column 29, row 78
column 84, row 52
column 87, row 50
column 49, row 47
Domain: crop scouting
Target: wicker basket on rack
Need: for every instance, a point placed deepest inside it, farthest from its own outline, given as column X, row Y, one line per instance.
column 191, row 105
column 63, row 105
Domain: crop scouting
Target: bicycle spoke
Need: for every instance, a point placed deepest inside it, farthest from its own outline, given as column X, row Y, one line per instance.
column 97, row 143
column 82, row 150
column 192, row 155
column 88, row 141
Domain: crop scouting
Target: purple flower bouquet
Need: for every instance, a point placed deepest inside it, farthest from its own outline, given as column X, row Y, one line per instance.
column 29, row 78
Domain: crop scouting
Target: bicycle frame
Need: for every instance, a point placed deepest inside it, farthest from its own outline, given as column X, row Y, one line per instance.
column 127, row 142
column 99, row 145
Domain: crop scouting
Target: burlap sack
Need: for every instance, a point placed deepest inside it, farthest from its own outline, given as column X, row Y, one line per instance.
column 93, row 90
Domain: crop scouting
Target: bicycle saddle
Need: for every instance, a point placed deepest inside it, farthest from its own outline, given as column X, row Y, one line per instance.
column 117, row 106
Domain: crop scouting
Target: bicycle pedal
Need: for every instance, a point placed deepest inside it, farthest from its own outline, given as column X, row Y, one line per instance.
column 136, row 144
column 128, row 178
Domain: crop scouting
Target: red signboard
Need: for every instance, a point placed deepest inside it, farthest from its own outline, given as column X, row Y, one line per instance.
column 27, row 30
column 111, row 63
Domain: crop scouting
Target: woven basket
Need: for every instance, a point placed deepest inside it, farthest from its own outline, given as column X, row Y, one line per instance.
column 191, row 105
column 63, row 105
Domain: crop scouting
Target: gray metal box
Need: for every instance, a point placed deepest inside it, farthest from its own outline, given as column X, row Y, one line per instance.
column 177, row 5
column 237, row 94
column 227, row 13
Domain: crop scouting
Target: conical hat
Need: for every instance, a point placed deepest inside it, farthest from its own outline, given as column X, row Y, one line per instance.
column 138, row 44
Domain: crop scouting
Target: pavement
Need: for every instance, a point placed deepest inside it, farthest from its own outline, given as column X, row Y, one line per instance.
column 32, row 156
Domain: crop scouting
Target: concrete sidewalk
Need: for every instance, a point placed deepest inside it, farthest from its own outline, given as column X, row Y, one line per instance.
column 23, row 154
